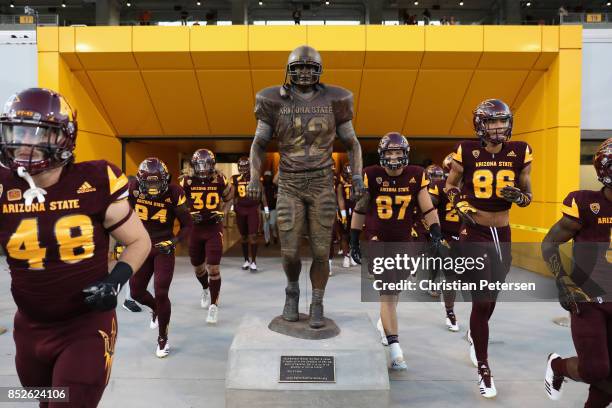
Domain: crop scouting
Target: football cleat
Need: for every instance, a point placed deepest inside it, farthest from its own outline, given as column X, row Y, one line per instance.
column 246, row 265
column 552, row 382
column 397, row 358
column 381, row 331
column 340, row 252
column 154, row 324
column 353, row 263
column 451, row 321
column 346, row 262
column 253, row 267
column 472, row 349
column 205, row 300
column 131, row 306
column 485, row 382
column 163, row 348
column 213, row 314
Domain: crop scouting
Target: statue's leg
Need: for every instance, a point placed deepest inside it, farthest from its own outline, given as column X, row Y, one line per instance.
column 291, row 215
column 321, row 216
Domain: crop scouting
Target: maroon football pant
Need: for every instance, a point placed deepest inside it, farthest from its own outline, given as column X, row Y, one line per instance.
column 494, row 245
column 206, row 244
column 162, row 266
column 77, row 353
column 247, row 219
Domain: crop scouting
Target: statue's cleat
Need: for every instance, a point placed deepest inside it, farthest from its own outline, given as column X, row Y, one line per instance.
column 292, row 301
column 316, row 316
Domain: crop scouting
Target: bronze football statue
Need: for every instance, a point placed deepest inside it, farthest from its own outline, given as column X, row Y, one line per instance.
column 305, row 116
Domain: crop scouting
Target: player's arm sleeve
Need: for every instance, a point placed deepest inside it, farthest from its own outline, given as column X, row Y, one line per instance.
column 527, row 156
column 343, row 108
column 570, row 207
column 458, row 154
column 118, row 185
column 182, row 213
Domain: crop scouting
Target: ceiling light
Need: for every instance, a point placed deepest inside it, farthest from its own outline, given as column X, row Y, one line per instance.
column 12, row 4
column 416, row 3
column 461, row 3
column 327, row 3
column 198, row 3
column 63, row 4
column 609, row 3
column 128, row 4
column 261, row 3
column 528, row 4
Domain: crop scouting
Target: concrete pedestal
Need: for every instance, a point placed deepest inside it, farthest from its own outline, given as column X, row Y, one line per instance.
column 253, row 368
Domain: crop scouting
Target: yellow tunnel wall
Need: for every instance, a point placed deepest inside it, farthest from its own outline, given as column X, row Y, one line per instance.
column 422, row 80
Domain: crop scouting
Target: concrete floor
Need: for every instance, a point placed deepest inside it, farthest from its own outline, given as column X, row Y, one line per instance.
column 439, row 372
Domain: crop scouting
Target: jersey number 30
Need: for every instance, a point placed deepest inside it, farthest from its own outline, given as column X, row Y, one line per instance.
column 74, row 235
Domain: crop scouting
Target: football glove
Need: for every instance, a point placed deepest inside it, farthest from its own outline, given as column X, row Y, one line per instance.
column 465, row 211
column 217, row 216
column 570, row 294
column 515, row 195
column 165, row 247
column 196, row 217
column 438, row 245
column 102, row 296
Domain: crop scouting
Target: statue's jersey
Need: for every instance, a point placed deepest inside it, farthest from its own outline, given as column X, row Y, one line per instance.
column 57, row 248
column 305, row 128
column 206, row 196
column 593, row 243
column 390, row 212
column 157, row 214
column 486, row 174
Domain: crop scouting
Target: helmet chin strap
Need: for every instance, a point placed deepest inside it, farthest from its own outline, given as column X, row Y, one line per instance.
column 33, row 192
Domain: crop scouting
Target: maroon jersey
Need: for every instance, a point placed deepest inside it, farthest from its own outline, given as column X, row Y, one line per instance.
column 390, row 211
column 450, row 224
column 305, row 128
column 240, row 187
column 205, row 196
column 347, row 192
column 157, row 214
column 485, row 174
column 593, row 243
column 57, row 248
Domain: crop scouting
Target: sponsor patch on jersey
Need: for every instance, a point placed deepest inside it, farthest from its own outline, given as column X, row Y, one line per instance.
column 13, row 195
column 385, row 184
column 511, row 154
column 476, row 153
column 86, row 188
column 595, row 208
column 378, row 180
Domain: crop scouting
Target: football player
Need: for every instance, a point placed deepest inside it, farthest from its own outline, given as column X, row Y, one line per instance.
column 209, row 195
column 450, row 225
column 587, row 219
column 346, row 204
column 56, row 219
column 494, row 173
column 271, row 193
column 305, row 116
column 158, row 203
column 247, row 213
column 393, row 189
